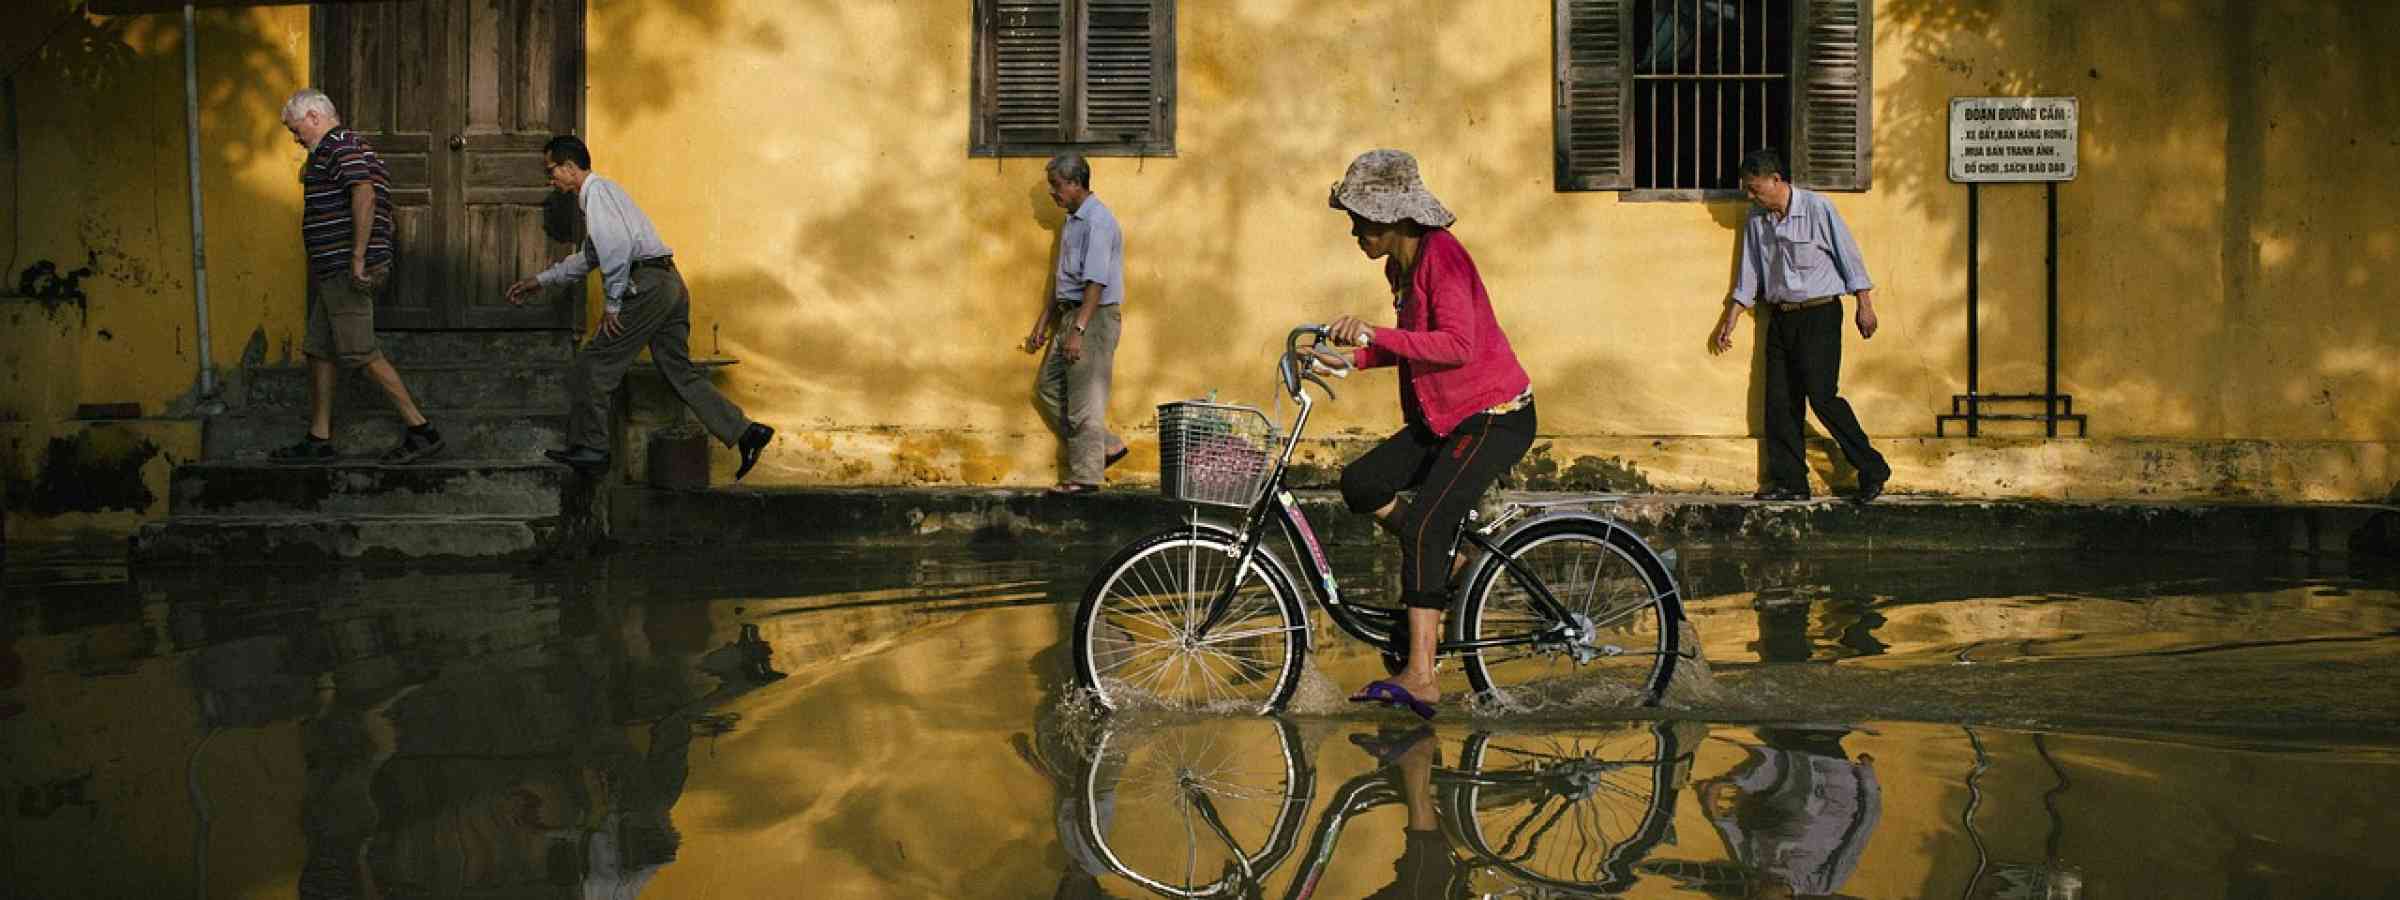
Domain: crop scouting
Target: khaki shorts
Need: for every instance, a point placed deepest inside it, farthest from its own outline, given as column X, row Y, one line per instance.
column 341, row 320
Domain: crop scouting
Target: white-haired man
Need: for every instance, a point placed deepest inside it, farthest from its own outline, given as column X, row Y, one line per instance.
column 346, row 229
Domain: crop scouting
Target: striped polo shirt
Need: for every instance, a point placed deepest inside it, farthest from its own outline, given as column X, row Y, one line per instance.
column 341, row 159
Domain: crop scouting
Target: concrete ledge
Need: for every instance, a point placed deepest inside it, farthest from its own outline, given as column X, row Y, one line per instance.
column 471, row 434
column 307, row 539
column 466, row 488
column 824, row 515
column 2293, row 470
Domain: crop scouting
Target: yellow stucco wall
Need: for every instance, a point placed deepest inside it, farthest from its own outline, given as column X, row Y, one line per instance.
column 2223, row 274
column 101, row 183
column 808, row 160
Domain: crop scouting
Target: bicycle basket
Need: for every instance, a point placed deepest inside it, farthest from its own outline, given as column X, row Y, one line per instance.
column 1214, row 454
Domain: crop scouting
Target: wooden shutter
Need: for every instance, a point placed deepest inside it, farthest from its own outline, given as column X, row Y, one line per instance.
column 1097, row 76
column 1594, row 90
column 1025, row 83
column 1123, row 97
column 1833, row 138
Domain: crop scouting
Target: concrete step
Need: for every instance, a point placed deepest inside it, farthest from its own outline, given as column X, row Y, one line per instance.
column 468, row 348
column 484, row 386
column 476, row 434
column 323, row 538
column 448, row 487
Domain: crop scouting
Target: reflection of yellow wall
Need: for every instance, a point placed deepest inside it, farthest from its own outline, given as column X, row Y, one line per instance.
column 808, row 162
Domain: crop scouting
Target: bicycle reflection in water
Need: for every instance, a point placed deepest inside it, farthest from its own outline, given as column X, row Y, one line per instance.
column 1214, row 808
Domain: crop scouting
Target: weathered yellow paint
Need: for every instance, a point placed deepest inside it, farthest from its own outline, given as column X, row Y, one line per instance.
column 101, row 182
column 874, row 276
column 2223, row 273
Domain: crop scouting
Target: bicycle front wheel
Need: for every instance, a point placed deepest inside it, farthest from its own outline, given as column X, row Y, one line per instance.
column 1137, row 637
column 1611, row 586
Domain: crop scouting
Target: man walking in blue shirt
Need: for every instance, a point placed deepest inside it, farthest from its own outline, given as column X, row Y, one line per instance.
column 1080, row 323
column 1798, row 257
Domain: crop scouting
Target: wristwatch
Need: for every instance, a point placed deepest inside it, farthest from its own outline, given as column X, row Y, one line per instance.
column 1079, row 327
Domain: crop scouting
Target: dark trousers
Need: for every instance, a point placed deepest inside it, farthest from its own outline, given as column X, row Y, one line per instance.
column 1450, row 474
column 657, row 315
column 1804, row 366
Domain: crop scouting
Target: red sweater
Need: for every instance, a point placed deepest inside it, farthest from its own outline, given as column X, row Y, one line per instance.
column 1454, row 360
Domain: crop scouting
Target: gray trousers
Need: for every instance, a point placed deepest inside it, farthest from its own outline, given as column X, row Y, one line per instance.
column 1074, row 396
column 658, row 315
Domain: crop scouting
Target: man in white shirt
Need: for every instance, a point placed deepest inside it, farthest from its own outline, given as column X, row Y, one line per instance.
column 648, row 305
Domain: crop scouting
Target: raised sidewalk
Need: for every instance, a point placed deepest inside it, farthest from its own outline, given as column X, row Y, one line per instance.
column 733, row 516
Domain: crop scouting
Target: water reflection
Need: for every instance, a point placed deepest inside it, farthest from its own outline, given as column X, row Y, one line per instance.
column 1796, row 813
column 1218, row 808
column 628, row 728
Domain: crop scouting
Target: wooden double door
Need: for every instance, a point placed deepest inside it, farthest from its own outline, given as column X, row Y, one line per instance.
column 458, row 97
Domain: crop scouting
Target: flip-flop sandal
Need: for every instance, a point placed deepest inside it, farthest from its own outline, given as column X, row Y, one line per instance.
column 1393, row 694
column 1070, row 488
column 1388, row 747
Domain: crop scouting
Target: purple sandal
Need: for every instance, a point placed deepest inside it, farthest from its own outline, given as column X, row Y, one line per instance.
column 1393, row 694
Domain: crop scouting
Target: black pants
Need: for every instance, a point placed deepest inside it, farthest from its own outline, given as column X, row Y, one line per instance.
column 1804, row 366
column 1450, row 474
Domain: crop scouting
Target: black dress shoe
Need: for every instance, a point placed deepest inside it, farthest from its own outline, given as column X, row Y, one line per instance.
column 1780, row 494
column 1869, row 489
column 584, row 459
column 754, row 442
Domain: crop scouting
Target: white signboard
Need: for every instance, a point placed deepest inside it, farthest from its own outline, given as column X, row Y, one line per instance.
column 2012, row 139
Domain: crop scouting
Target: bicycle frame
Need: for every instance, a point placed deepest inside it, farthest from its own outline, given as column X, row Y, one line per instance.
column 1373, row 625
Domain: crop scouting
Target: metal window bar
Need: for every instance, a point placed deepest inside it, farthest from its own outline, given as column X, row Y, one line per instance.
column 1692, row 152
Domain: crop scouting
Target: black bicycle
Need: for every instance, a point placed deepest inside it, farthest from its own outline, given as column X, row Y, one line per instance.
column 1203, row 615
column 1212, row 809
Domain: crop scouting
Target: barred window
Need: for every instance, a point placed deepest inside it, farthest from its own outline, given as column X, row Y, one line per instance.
column 1662, row 97
column 1093, row 76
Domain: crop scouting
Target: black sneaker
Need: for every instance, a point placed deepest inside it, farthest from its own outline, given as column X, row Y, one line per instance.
column 417, row 443
column 310, row 449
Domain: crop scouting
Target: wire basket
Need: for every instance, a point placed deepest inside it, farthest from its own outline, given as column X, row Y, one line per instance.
column 1213, row 453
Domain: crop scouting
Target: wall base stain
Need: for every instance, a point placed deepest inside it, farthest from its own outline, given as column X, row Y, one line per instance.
column 93, row 470
column 1540, row 471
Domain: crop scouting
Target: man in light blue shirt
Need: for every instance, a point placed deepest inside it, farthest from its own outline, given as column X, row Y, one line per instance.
column 1080, row 324
column 1797, row 260
column 647, row 305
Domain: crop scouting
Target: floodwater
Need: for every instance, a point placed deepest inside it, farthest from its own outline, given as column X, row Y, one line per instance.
column 898, row 723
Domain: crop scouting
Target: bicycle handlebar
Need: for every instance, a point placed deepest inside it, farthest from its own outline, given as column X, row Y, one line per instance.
column 1295, row 371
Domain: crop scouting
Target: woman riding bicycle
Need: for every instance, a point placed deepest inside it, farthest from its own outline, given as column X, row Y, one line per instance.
column 1467, row 403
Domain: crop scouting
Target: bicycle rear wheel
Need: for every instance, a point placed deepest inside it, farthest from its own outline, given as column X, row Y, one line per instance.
column 1572, row 810
column 1613, row 586
column 1196, row 809
column 1135, row 638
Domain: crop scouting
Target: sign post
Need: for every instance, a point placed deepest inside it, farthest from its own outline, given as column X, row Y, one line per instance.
column 2012, row 139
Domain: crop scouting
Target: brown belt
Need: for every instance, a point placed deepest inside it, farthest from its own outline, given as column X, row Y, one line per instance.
column 1810, row 303
column 655, row 262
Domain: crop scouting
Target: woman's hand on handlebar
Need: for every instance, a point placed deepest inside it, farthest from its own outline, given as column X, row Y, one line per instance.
column 1327, row 362
column 1349, row 331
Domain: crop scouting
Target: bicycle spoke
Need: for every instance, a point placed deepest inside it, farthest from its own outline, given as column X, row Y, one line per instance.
column 1571, row 811
column 1593, row 580
column 1139, row 629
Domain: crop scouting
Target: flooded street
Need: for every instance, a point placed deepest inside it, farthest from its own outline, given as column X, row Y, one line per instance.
column 893, row 722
